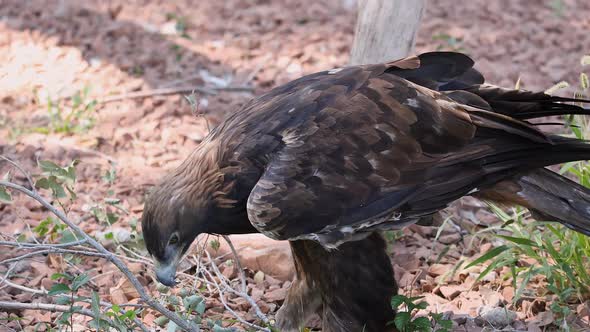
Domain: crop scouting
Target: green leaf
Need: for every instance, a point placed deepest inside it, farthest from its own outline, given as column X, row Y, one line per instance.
column 63, row 300
column 59, row 289
column 80, row 281
column 402, row 321
column 217, row 328
column 110, row 176
column 112, row 217
column 584, row 82
column 73, row 194
column 129, row 314
column 65, row 318
column 519, row 240
column 95, row 305
column 557, row 86
column 66, row 276
column 42, row 183
column 487, row 270
column 191, row 302
column 201, row 307
column 215, row 244
column 109, row 236
column 173, row 300
column 422, row 324
column 48, row 166
column 421, row 305
column 57, row 189
column 161, row 321
column 70, row 172
column 4, row 195
column 112, row 201
column 488, row 255
column 397, row 301
column 67, row 236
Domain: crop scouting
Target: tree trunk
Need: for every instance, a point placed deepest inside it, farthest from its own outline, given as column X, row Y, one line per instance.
column 385, row 30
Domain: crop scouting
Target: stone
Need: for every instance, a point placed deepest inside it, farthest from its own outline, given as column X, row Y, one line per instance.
column 260, row 253
column 450, row 238
column 117, row 295
column 498, row 317
column 259, row 278
column 276, row 295
column 452, row 291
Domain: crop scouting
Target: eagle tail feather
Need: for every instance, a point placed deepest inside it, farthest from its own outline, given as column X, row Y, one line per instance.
column 548, row 195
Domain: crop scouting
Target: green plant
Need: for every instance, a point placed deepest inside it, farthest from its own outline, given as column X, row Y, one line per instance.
column 448, row 42
column 558, row 254
column 74, row 116
column 180, row 24
column 558, row 7
column 405, row 320
column 66, row 295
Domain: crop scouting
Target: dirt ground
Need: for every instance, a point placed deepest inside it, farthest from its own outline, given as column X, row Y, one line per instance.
column 50, row 50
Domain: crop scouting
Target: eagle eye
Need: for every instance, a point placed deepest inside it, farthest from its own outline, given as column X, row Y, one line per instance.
column 173, row 239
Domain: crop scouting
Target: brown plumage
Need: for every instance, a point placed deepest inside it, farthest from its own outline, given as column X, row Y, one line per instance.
column 327, row 160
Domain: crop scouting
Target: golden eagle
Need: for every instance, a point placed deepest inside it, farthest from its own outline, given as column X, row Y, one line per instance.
column 328, row 160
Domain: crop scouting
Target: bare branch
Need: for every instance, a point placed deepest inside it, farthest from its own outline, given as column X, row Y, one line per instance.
column 238, row 264
column 52, row 251
column 27, row 245
column 227, row 307
column 173, row 91
column 24, row 288
column 22, row 170
column 186, row 325
column 231, row 290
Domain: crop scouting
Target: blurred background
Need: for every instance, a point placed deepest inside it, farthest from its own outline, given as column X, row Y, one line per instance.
column 109, row 83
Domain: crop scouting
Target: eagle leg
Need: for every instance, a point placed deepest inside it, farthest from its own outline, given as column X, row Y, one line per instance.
column 301, row 302
column 354, row 282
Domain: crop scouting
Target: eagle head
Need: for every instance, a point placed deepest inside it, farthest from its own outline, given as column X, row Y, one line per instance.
column 193, row 199
column 169, row 225
column 179, row 208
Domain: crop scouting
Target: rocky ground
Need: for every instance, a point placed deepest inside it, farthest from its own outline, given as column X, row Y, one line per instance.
column 51, row 50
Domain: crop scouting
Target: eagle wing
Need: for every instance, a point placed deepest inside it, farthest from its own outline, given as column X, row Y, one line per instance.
column 376, row 147
column 360, row 147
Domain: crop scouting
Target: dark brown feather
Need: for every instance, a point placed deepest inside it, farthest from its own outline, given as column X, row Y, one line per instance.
column 327, row 159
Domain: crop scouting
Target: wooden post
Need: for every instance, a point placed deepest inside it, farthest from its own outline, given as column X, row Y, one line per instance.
column 385, row 30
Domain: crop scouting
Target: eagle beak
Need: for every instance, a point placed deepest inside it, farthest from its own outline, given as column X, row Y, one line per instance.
column 166, row 274
column 166, row 269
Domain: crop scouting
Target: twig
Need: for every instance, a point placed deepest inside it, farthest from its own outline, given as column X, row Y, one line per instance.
column 24, row 288
column 44, row 292
column 181, row 80
column 241, row 294
column 19, row 167
column 183, row 324
column 7, row 274
column 257, row 69
column 27, row 245
column 173, row 91
column 54, row 251
column 227, row 307
column 238, row 264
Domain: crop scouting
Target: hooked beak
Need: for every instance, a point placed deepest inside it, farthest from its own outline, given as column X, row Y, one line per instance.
column 166, row 274
column 166, row 270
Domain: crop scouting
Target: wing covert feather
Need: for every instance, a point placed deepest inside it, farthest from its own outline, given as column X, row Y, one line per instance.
column 356, row 158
